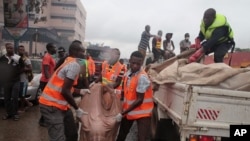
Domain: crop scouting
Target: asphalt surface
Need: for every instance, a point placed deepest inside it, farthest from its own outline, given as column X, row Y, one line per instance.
column 28, row 129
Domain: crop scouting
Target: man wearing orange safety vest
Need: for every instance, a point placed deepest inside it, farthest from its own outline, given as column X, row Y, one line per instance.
column 57, row 97
column 112, row 72
column 137, row 100
column 91, row 68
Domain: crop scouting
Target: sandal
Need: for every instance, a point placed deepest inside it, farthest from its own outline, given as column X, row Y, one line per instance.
column 6, row 117
column 16, row 117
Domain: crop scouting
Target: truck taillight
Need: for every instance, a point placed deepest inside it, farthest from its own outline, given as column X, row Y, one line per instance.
column 201, row 138
column 206, row 138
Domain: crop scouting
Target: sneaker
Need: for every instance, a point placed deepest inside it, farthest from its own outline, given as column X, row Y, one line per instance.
column 16, row 117
column 6, row 117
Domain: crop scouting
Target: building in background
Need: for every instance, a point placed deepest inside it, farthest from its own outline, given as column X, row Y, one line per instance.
column 58, row 21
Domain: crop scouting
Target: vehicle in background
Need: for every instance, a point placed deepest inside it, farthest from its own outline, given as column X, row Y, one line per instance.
column 33, row 91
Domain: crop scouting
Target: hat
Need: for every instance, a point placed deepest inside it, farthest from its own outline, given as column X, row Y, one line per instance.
column 61, row 49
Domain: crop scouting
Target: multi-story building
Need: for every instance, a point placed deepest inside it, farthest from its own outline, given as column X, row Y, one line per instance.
column 59, row 21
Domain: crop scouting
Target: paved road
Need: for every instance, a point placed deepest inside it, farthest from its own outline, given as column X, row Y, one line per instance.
column 27, row 128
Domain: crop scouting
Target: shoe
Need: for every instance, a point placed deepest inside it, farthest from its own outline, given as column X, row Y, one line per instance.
column 16, row 117
column 21, row 111
column 6, row 117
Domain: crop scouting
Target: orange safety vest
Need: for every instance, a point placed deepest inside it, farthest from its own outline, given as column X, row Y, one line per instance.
column 145, row 109
column 109, row 75
column 91, row 66
column 51, row 95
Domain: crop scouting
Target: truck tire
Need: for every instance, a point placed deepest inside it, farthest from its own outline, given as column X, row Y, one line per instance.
column 154, row 122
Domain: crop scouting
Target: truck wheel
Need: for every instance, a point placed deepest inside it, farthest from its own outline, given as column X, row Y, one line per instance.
column 154, row 121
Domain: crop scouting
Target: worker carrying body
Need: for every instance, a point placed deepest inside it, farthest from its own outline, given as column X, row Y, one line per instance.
column 216, row 34
column 112, row 72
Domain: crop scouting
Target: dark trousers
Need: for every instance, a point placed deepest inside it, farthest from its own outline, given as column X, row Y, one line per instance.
column 11, row 94
column 219, row 51
column 143, row 125
column 42, row 86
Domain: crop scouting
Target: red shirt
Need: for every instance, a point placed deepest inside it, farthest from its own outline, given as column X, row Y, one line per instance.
column 47, row 60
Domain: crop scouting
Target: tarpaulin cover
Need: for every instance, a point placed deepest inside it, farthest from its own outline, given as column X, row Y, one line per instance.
column 99, row 124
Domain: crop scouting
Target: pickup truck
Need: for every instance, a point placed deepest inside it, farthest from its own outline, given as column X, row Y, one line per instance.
column 199, row 112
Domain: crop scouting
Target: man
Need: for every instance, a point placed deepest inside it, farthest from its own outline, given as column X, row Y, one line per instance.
column 144, row 42
column 156, row 47
column 24, row 78
column 112, row 73
column 61, row 53
column 138, row 102
column 217, row 35
column 168, row 46
column 48, row 65
column 185, row 44
column 91, row 68
column 123, row 65
column 10, row 78
column 57, row 97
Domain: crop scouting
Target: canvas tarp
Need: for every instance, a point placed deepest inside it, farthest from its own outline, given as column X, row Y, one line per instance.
column 102, row 107
column 218, row 75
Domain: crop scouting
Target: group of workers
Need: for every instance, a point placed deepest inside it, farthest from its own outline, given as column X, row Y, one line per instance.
column 215, row 36
column 133, row 86
column 59, row 82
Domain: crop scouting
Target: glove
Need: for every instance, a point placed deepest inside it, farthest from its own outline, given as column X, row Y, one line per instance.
column 92, row 84
column 84, row 91
column 118, row 117
column 80, row 113
column 197, row 55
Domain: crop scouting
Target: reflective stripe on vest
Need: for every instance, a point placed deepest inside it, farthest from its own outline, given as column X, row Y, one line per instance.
column 145, row 100
column 143, row 110
column 51, row 95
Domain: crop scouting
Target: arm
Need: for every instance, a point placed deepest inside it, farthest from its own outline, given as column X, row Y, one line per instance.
column 173, row 45
column 46, row 71
column 138, row 102
column 143, row 85
column 165, row 45
column 67, row 85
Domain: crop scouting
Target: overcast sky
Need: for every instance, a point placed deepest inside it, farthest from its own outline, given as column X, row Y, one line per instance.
column 119, row 23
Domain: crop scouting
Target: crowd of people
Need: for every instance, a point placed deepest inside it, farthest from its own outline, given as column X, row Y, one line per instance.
column 72, row 76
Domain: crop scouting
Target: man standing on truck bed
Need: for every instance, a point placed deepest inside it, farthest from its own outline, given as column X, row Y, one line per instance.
column 218, row 36
column 137, row 100
column 144, row 42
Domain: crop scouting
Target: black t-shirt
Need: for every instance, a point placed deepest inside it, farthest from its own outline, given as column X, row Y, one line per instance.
column 10, row 69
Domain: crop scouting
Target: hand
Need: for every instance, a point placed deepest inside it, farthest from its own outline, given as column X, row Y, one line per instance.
column 118, row 117
column 92, row 84
column 80, row 113
column 84, row 91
